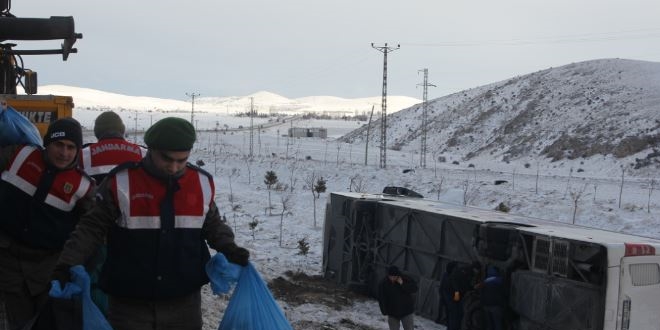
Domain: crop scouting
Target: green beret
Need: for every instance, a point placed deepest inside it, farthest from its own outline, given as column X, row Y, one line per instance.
column 170, row 133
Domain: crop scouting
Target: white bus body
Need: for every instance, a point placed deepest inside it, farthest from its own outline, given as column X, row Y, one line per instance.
column 561, row 276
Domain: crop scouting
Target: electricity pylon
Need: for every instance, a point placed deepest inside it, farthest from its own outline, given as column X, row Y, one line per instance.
column 422, row 158
column 383, row 129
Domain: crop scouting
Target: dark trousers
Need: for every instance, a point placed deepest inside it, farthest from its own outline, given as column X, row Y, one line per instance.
column 24, row 281
column 454, row 315
column 183, row 313
column 395, row 324
column 20, row 307
column 494, row 317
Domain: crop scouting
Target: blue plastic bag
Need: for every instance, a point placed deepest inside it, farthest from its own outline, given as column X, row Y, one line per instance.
column 252, row 306
column 222, row 273
column 17, row 129
column 93, row 319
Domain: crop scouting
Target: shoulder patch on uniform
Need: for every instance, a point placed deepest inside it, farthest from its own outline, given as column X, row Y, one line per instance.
column 200, row 170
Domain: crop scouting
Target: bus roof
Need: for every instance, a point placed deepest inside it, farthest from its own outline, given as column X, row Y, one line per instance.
column 615, row 242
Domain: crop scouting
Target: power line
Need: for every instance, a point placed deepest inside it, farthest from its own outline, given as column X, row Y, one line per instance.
column 578, row 38
column 383, row 129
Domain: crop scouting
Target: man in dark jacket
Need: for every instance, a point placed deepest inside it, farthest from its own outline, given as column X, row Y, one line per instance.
column 42, row 195
column 396, row 298
column 493, row 298
column 157, row 216
column 463, row 279
column 111, row 149
column 450, row 299
column 98, row 159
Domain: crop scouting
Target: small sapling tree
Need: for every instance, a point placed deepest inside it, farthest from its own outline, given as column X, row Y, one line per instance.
column 253, row 225
column 270, row 180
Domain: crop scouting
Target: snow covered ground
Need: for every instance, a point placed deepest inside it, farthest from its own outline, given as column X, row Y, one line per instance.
column 536, row 189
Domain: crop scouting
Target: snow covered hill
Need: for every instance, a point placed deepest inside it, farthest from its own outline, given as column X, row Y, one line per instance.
column 599, row 110
column 263, row 102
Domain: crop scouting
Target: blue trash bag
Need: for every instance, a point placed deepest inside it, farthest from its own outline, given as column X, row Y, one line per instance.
column 252, row 306
column 93, row 319
column 17, row 129
column 222, row 273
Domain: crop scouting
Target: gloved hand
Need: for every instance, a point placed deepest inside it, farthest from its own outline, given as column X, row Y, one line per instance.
column 236, row 254
column 62, row 274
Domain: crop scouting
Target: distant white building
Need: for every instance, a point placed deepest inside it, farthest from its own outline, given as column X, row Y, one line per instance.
column 318, row 132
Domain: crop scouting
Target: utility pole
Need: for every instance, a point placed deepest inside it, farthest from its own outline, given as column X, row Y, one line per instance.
column 422, row 158
column 383, row 129
column 192, row 111
column 251, row 127
column 136, row 120
column 366, row 145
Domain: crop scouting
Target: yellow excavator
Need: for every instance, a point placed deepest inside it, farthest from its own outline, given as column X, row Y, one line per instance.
column 39, row 109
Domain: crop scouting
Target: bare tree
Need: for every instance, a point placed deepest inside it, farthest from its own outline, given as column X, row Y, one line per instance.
column 595, row 189
column 575, row 196
column 293, row 166
column 439, row 186
column 470, row 192
column 316, row 185
column 357, row 184
column 623, row 172
column 248, row 162
column 350, row 153
column 325, row 154
column 288, row 142
column 285, row 199
column 234, row 173
column 513, row 180
column 253, row 225
column 536, row 185
column 648, row 204
column 338, row 148
column 568, row 182
column 235, row 207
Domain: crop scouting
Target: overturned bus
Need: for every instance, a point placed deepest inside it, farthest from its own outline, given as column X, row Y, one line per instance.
column 558, row 276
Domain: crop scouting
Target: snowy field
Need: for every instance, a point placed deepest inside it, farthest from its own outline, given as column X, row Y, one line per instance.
column 539, row 189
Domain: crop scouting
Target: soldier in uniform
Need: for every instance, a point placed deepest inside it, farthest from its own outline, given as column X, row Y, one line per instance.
column 157, row 216
column 42, row 195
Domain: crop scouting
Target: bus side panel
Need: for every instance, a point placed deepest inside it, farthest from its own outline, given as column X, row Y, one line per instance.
column 362, row 237
column 640, row 291
column 420, row 243
column 348, row 241
column 550, row 302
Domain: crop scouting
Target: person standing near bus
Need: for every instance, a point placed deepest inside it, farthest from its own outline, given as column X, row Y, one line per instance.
column 396, row 298
column 157, row 216
column 98, row 159
column 42, row 195
column 450, row 299
column 493, row 298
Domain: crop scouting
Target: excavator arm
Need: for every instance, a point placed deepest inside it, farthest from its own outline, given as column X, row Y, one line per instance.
column 12, row 71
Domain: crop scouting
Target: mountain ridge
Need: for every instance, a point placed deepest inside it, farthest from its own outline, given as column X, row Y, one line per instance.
column 262, row 101
column 604, row 107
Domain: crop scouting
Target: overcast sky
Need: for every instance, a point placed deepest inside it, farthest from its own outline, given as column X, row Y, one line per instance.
column 298, row 48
